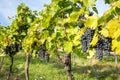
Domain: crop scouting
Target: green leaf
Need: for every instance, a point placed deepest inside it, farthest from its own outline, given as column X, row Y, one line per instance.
column 104, row 32
column 45, row 34
column 109, row 1
column 117, row 10
column 67, row 46
column 94, row 40
column 77, row 50
column 34, row 53
column 115, row 43
column 116, row 34
column 64, row 3
column 91, row 53
column 74, row 15
column 29, row 20
column 88, row 3
column 92, row 22
column 76, row 40
column 106, row 17
column 46, row 21
column 95, row 9
column 23, row 33
column 112, row 26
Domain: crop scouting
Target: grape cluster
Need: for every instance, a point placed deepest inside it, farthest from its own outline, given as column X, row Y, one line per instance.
column 87, row 38
column 7, row 49
column 102, row 47
column 47, row 57
column 13, row 48
column 42, row 51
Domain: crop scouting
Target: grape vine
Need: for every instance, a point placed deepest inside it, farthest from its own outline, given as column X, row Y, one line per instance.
column 63, row 25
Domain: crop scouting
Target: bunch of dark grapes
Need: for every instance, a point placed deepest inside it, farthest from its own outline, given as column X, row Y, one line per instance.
column 20, row 47
column 13, row 48
column 84, row 43
column 42, row 51
column 107, row 46
column 87, row 38
column 7, row 49
column 98, row 48
column 102, row 47
column 47, row 57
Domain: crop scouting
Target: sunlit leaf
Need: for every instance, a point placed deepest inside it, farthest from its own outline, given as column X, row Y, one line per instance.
column 67, row 46
column 104, row 32
column 112, row 26
column 91, row 53
column 116, row 34
column 88, row 3
column 92, row 22
column 94, row 40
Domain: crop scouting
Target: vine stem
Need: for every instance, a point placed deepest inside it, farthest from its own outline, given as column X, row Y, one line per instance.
column 66, row 60
column 27, row 66
column 11, row 65
column 1, row 62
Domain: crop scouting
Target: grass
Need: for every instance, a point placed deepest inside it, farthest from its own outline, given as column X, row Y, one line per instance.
column 82, row 68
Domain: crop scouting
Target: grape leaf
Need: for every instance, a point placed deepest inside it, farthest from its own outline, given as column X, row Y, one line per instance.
column 95, row 9
column 94, row 40
column 104, row 32
column 67, row 46
column 91, row 53
column 92, row 22
column 88, row 3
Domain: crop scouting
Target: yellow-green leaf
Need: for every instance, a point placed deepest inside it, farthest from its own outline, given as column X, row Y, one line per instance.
column 115, row 44
column 91, row 53
column 88, row 3
column 76, row 40
column 116, row 34
column 94, row 40
column 92, row 22
column 112, row 26
column 74, row 16
column 104, row 32
column 67, row 46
